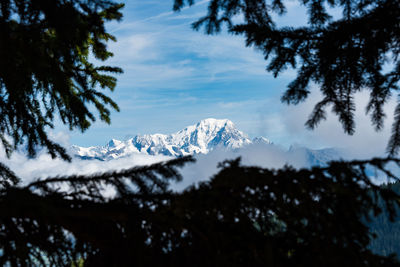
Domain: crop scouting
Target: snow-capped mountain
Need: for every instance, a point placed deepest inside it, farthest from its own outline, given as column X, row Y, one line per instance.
column 201, row 138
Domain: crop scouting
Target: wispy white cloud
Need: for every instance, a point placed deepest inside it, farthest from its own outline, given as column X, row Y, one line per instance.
column 154, row 43
column 175, row 76
column 365, row 142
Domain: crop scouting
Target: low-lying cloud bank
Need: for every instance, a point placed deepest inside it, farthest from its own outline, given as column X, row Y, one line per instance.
column 264, row 155
column 206, row 165
column 44, row 166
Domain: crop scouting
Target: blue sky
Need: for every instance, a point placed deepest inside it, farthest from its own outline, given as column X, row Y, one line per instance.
column 174, row 77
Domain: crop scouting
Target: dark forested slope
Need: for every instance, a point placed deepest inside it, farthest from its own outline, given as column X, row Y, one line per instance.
column 388, row 233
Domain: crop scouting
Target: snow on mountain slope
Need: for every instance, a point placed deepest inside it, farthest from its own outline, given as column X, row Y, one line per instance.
column 200, row 138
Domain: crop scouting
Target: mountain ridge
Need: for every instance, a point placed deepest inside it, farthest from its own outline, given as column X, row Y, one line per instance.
column 200, row 138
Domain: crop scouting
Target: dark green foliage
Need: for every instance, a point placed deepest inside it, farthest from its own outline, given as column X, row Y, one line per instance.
column 45, row 70
column 387, row 232
column 244, row 216
column 42, row 225
column 341, row 56
column 8, row 178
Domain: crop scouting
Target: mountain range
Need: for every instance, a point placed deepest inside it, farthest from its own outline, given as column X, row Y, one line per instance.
column 201, row 138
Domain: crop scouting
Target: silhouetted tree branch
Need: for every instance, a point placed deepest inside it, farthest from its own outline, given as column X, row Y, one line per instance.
column 243, row 216
column 45, row 70
column 358, row 51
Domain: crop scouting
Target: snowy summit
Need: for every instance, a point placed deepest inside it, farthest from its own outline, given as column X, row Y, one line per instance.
column 202, row 137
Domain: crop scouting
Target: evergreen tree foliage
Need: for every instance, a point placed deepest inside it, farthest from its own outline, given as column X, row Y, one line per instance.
column 45, row 70
column 243, row 216
column 342, row 56
column 387, row 232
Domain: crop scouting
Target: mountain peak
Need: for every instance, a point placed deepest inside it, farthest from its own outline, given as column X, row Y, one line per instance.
column 215, row 122
column 202, row 137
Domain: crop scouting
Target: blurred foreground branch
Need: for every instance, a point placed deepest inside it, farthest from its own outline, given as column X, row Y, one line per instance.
column 243, row 216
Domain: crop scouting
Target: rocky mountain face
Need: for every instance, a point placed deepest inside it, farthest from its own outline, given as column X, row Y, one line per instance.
column 202, row 138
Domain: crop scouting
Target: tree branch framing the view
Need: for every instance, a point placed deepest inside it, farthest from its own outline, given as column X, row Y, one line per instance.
column 45, row 71
column 243, row 215
column 341, row 56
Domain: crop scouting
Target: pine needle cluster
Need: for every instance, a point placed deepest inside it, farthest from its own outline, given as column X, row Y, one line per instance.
column 45, row 72
column 243, row 216
column 358, row 51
